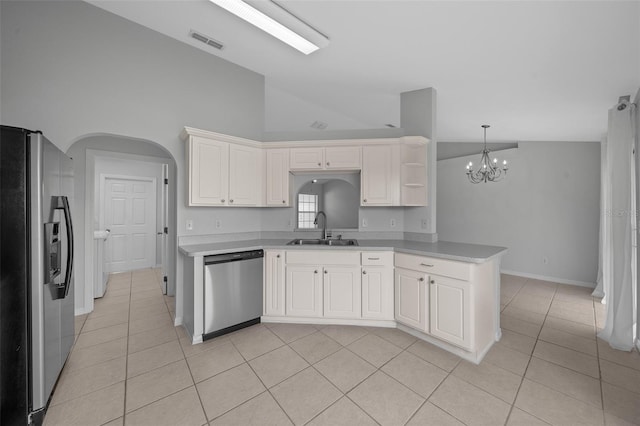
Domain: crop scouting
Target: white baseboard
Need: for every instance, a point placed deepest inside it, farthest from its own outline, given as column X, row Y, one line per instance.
column 177, row 321
column 81, row 311
column 329, row 321
column 552, row 279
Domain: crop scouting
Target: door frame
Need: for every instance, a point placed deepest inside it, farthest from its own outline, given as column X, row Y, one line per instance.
column 102, row 203
column 89, row 192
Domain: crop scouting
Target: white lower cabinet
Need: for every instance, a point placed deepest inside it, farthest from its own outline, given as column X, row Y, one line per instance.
column 342, row 292
column 303, row 292
column 410, row 298
column 450, row 310
column 377, row 292
column 274, row 282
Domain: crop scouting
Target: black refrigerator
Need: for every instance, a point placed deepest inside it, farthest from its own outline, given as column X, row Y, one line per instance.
column 36, row 272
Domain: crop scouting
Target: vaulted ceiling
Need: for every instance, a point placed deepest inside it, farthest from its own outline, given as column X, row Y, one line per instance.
column 534, row 70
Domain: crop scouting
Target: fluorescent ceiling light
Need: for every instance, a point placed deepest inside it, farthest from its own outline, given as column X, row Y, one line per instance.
column 271, row 26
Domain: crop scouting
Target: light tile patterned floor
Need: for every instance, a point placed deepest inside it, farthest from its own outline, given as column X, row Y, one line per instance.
column 131, row 366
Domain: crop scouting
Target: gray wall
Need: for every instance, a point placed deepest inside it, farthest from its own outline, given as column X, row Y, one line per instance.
column 71, row 70
column 342, row 199
column 418, row 118
column 548, row 206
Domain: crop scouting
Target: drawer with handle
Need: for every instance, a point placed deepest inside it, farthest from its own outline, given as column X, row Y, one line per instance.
column 377, row 258
column 447, row 268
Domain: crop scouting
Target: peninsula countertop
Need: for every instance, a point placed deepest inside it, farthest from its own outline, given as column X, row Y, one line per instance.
column 463, row 252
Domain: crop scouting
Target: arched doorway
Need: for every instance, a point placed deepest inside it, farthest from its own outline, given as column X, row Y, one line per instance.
column 98, row 158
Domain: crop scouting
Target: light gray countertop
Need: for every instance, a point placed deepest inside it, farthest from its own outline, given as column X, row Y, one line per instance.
column 472, row 253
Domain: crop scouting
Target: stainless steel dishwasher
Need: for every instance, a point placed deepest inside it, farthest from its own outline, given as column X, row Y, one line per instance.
column 232, row 292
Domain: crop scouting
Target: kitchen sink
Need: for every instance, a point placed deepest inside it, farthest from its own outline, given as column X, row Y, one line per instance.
column 319, row 242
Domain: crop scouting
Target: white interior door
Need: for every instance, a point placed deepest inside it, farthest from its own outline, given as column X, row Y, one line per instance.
column 130, row 214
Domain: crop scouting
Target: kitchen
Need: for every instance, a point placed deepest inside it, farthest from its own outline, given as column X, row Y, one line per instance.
column 89, row 88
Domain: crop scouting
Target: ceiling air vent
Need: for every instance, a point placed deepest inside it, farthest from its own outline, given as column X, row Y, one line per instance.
column 207, row 40
column 320, row 125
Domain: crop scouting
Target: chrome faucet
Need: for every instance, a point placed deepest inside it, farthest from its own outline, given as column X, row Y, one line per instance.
column 324, row 223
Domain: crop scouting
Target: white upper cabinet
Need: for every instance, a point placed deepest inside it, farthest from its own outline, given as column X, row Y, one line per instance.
column 208, row 172
column 277, row 177
column 223, row 171
column 244, row 175
column 413, row 172
column 378, row 180
column 326, row 158
column 230, row 171
column 342, row 158
column 306, row 159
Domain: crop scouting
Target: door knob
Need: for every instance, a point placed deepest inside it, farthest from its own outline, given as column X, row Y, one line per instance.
column 222, row 201
column 284, row 202
column 315, row 272
column 231, row 201
column 325, row 271
column 327, row 163
column 432, row 281
column 421, row 279
column 364, row 272
column 365, row 200
column 319, row 164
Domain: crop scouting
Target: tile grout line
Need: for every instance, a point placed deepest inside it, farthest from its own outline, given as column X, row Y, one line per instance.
column 126, row 361
column 524, row 373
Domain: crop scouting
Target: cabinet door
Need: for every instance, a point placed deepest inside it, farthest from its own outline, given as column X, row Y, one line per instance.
column 450, row 309
column 410, row 299
column 342, row 292
column 303, row 291
column 306, row 158
column 274, row 282
column 377, row 180
column 377, row 292
column 342, row 158
column 277, row 177
column 209, row 172
column 244, row 169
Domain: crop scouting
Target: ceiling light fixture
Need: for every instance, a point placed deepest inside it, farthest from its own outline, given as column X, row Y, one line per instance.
column 305, row 38
column 488, row 171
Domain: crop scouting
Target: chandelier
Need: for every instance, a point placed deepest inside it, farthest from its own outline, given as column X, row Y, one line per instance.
column 488, row 171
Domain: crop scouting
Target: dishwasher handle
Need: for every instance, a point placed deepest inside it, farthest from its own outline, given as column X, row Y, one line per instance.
column 233, row 257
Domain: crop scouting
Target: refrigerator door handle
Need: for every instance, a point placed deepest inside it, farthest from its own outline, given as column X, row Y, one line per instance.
column 62, row 203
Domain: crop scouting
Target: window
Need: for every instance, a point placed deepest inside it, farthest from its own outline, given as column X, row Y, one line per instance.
column 307, row 210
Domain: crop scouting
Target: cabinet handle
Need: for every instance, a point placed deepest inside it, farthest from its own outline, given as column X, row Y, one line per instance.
column 278, row 256
column 364, row 272
column 284, row 202
column 432, row 281
column 231, row 201
column 421, row 279
column 222, row 201
column 319, row 164
column 326, row 272
column 327, row 163
column 374, row 258
column 365, row 200
column 428, row 266
column 315, row 272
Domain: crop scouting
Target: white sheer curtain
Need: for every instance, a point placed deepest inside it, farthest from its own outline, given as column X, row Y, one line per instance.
column 617, row 263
